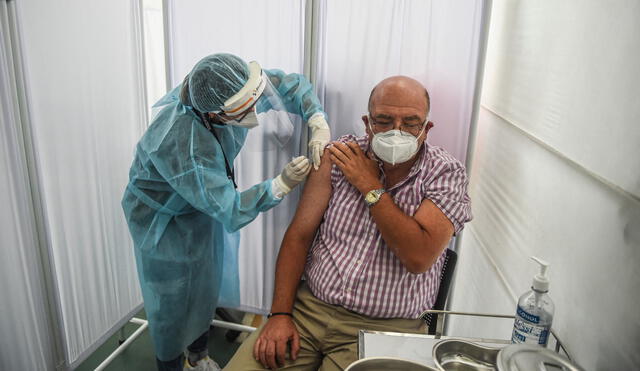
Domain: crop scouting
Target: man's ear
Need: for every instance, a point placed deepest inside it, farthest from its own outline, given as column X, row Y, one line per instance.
column 367, row 127
column 426, row 130
column 429, row 126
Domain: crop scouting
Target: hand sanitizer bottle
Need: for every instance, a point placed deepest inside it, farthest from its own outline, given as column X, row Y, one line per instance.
column 535, row 311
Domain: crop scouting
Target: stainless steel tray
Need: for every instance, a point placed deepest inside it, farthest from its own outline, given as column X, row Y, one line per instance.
column 387, row 364
column 455, row 354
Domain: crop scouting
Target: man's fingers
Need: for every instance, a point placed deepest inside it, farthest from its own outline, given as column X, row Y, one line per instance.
column 339, row 153
column 271, row 355
column 337, row 161
column 281, row 351
column 349, row 148
column 342, row 147
column 263, row 353
column 355, row 148
column 295, row 345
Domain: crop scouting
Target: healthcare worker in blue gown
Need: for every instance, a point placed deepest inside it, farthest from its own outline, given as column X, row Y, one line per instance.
column 182, row 205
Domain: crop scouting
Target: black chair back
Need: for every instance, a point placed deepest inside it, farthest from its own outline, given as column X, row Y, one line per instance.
column 446, row 276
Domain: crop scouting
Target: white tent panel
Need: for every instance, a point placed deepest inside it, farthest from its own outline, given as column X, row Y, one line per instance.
column 567, row 72
column 86, row 100
column 528, row 201
column 26, row 342
column 479, row 289
column 269, row 32
column 555, row 174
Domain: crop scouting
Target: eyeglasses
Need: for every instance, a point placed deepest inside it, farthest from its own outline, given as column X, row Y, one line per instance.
column 411, row 127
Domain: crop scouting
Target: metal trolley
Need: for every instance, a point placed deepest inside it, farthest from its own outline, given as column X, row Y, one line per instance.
column 417, row 347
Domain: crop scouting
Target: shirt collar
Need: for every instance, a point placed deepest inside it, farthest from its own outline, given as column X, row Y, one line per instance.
column 415, row 168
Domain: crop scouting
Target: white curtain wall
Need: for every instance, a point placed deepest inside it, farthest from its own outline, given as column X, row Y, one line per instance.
column 555, row 174
column 28, row 339
column 85, row 92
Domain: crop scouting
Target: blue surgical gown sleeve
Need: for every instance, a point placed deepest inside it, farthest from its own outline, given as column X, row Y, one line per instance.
column 296, row 93
column 190, row 159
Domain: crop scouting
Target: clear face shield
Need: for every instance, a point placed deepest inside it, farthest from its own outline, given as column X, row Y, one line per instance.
column 258, row 106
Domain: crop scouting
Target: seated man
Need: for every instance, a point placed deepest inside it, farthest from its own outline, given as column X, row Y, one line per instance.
column 370, row 233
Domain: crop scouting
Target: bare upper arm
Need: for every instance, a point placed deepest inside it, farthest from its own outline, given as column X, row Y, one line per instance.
column 313, row 202
column 433, row 221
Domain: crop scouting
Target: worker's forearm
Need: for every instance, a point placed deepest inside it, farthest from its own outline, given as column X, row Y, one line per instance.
column 289, row 267
column 404, row 236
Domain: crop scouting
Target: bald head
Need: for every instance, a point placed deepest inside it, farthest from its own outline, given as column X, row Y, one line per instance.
column 399, row 101
column 400, row 90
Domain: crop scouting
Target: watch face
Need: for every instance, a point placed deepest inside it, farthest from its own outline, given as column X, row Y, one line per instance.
column 371, row 197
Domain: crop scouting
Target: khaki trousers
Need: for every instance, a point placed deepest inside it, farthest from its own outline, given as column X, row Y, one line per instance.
column 328, row 335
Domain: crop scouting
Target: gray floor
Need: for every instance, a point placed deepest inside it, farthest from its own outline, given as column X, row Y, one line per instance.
column 139, row 355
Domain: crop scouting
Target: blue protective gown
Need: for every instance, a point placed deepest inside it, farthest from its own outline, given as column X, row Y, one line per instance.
column 183, row 213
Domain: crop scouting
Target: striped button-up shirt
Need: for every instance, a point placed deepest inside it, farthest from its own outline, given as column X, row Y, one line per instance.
column 350, row 265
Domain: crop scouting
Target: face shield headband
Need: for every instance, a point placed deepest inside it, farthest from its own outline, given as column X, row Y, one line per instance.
column 249, row 94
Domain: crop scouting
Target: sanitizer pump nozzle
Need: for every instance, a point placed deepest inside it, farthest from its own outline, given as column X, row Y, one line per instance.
column 540, row 280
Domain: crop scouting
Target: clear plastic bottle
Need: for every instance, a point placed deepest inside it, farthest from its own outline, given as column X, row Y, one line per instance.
column 534, row 314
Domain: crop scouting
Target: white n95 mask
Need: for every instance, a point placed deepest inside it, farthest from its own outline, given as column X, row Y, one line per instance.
column 395, row 146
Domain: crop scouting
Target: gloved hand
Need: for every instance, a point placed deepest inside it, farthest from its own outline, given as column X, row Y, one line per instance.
column 320, row 136
column 295, row 172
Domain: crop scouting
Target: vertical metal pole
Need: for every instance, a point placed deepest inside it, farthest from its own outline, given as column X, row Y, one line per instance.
column 482, row 53
column 168, row 50
column 313, row 44
column 140, row 62
column 310, row 30
column 308, row 63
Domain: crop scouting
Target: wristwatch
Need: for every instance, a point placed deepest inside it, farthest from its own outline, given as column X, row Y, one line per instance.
column 372, row 197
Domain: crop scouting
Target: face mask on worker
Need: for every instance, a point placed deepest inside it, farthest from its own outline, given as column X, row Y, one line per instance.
column 395, row 146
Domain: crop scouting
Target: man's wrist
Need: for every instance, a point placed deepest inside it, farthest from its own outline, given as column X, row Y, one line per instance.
column 281, row 308
column 370, row 187
column 286, row 314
